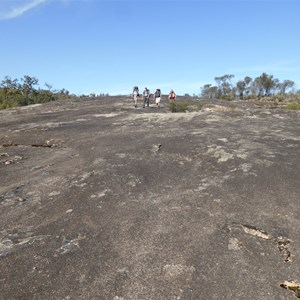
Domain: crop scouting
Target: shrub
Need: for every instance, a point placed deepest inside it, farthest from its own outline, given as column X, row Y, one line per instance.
column 3, row 105
column 293, row 106
column 227, row 97
column 23, row 101
column 9, row 103
column 200, row 105
column 178, row 107
column 280, row 98
column 231, row 107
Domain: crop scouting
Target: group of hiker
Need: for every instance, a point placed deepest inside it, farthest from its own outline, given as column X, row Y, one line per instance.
column 157, row 95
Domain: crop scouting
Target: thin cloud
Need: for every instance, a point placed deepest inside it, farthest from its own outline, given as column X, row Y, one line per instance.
column 12, row 9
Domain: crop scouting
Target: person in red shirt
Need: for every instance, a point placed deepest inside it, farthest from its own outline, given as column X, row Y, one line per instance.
column 172, row 96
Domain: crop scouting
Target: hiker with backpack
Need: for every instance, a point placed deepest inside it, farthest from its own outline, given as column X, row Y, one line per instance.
column 135, row 94
column 146, row 96
column 172, row 96
column 157, row 97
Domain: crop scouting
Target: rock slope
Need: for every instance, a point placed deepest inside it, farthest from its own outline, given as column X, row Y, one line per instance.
column 99, row 200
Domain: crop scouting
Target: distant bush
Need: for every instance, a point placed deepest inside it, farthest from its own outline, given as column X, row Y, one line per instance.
column 227, row 97
column 231, row 107
column 13, row 93
column 293, row 106
column 279, row 98
column 4, row 105
column 23, row 101
column 178, row 107
column 294, row 98
column 250, row 97
column 200, row 105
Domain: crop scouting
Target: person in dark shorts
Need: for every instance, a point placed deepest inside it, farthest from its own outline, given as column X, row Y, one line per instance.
column 146, row 96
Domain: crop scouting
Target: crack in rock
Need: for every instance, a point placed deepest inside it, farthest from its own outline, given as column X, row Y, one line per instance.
column 282, row 242
column 47, row 144
column 70, row 245
column 256, row 232
column 12, row 197
column 9, row 144
column 15, row 159
column 283, row 248
column 292, row 286
column 8, row 246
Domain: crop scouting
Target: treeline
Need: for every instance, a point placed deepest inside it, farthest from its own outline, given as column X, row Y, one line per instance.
column 248, row 88
column 14, row 92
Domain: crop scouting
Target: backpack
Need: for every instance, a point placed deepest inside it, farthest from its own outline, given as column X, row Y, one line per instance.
column 136, row 89
column 157, row 93
column 146, row 93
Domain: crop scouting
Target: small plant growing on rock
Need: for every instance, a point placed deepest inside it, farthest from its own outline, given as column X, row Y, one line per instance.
column 293, row 106
column 231, row 107
column 200, row 105
column 178, row 107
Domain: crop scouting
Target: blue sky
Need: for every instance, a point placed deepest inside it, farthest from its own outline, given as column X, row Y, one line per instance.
column 97, row 46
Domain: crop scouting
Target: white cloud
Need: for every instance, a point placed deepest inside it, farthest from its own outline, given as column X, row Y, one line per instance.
column 13, row 9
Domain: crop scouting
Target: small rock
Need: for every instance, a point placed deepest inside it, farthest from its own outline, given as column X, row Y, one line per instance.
column 156, row 148
column 234, row 244
column 54, row 193
column 20, row 199
column 69, row 211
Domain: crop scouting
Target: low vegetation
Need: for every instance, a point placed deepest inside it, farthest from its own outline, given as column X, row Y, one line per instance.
column 199, row 105
column 178, row 107
column 263, row 86
column 293, row 106
column 14, row 92
column 265, row 90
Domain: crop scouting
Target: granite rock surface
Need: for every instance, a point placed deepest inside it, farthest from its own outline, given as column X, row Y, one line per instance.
column 101, row 200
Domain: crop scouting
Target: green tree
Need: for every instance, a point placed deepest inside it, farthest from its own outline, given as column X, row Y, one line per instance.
column 204, row 90
column 248, row 81
column 49, row 86
column 8, row 84
column 209, row 91
column 286, row 84
column 28, row 84
column 264, row 84
column 13, row 94
column 224, row 84
column 243, row 86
